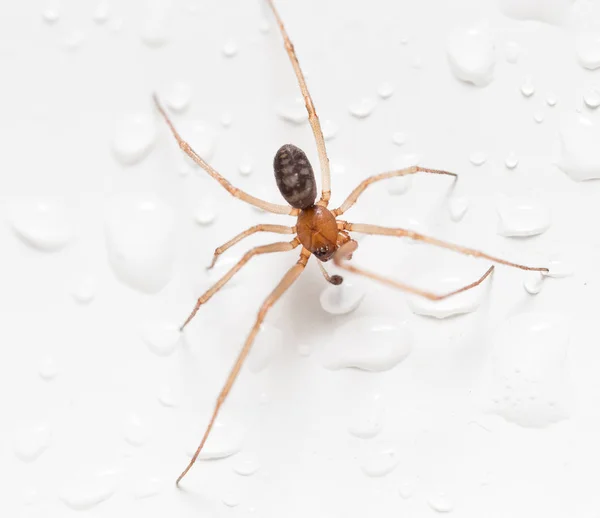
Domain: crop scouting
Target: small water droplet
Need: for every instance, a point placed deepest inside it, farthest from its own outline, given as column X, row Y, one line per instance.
column 511, row 161
column 147, row 487
column 406, row 489
column 134, row 431
column 31, row 442
column 178, row 96
column 294, row 112
column 580, row 154
column 441, row 503
column 368, row 343
column 559, row 268
column 527, row 88
column 166, row 396
column 87, row 492
column 399, row 138
column 551, row 100
column 478, row 158
column 74, row 40
column 471, row 55
column 268, row 343
column 380, row 463
column 161, row 337
column 154, row 33
column 591, row 97
column 330, row 129
column 84, row 289
column 245, row 167
column 587, row 46
column 133, row 138
column 366, row 420
column 400, row 185
column 363, row 108
column 205, row 214
column 549, row 11
column 342, row 299
column 231, row 499
column 246, row 464
column 533, row 283
column 512, row 51
column 50, row 16
column 43, row 224
column 140, row 241
column 226, row 120
column 101, row 13
column 224, row 441
column 264, row 26
column 522, row 217
column 48, row 370
column 538, row 116
column 416, row 62
column 458, row 207
column 385, row 90
column 230, row 49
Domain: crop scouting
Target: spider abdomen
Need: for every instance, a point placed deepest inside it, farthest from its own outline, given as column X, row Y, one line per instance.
column 295, row 177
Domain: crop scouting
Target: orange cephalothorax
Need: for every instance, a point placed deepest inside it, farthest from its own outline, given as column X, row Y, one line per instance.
column 317, row 231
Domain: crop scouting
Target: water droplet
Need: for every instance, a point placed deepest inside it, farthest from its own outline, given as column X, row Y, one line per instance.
column 368, row 343
column 134, row 431
column 527, row 88
column 528, row 369
column 551, row 100
column 84, row 289
column 224, row 441
column 559, row 268
column 512, row 51
column 245, row 166
column 48, row 370
column 87, row 492
column 580, row 153
column 591, row 97
column 31, row 442
column 154, row 33
column 50, row 16
column 458, row 206
column 522, row 217
column 147, row 487
column 166, row 397
column 471, row 55
column 294, row 112
column 385, row 90
column 101, row 13
column 416, row 62
column 178, row 96
column 363, row 108
column 399, row 138
column 440, row 282
column 230, row 49
column 43, row 224
column 115, row 25
column 330, row 129
column 406, row 489
column 140, row 241
column 587, row 46
column 441, row 503
column 366, row 420
column 478, row 158
column 550, row 11
column 538, row 116
column 533, row 283
column 133, row 138
column 161, row 337
column 380, row 463
column 74, row 40
column 231, row 499
column 226, row 120
column 205, row 213
column 246, row 464
column 400, row 184
column 511, row 161
column 268, row 343
column 342, row 299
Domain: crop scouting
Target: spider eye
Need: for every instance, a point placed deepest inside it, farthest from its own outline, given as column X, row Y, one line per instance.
column 321, row 252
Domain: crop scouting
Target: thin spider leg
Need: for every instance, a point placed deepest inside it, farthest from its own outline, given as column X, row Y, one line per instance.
column 351, row 199
column 401, row 232
column 265, row 249
column 310, row 108
column 277, row 229
column 336, row 280
column 234, row 191
column 344, row 251
column 287, row 280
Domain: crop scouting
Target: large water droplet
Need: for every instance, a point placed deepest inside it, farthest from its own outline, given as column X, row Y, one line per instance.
column 363, row 108
column 440, row 282
column 43, row 224
column 342, row 299
column 521, row 217
column 87, row 492
column 366, row 420
column 368, row 343
column 31, row 442
column 587, row 46
column 140, row 241
column 178, row 96
column 380, row 462
column 550, row 11
column 161, row 337
column 471, row 55
column 133, row 138
column 528, row 371
column 294, row 111
column 580, row 153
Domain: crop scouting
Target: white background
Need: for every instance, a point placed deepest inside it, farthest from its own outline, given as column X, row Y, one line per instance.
column 65, row 86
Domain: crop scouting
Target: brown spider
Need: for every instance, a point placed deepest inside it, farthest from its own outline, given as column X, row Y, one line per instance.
column 317, row 228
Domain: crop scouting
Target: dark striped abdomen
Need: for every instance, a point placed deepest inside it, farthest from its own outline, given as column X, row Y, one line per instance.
column 295, row 177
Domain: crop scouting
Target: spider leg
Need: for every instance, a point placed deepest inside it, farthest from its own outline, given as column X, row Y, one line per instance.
column 336, row 280
column 351, row 199
column 278, row 229
column 287, row 280
column 345, row 250
column 265, row 249
column 401, row 232
column 310, row 108
column 234, row 191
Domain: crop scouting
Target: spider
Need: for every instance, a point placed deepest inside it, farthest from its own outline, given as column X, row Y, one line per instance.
column 318, row 231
